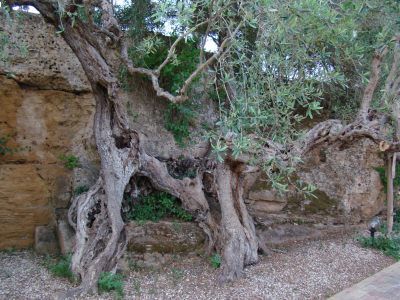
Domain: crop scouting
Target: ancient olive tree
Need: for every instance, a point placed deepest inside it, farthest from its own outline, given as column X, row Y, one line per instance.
column 275, row 59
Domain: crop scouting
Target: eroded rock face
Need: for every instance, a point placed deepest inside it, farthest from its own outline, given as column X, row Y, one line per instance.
column 46, row 241
column 348, row 189
column 147, row 117
column 288, row 232
column 49, row 63
column 164, row 237
column 349, row 179
column 66, row 237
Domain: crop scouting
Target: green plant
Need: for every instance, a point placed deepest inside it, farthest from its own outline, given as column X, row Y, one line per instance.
column 178, row 120
column 216, row 261
column 178, row 117
column 3, row 145
column 61, row 269
column 395, row 229
column 136, row 116
column 137, row 286
column 66, row 15
column 176, row 273
column 150, row 53
column 396, row 218
column 321, row 246
column 205, row 126
column 391, row 247
column 8, row 251
column 80, row 190
column 7, row 41
column 177, row 227
column 69, row 161
column 133, row 264
column 382, row 175
column 183, row 174
column 109, row 281
column 157, row 205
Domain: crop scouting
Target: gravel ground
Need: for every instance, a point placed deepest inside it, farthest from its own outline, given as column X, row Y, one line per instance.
column 311, row 269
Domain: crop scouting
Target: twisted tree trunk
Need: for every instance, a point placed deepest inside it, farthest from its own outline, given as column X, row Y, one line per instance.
column 238, row 240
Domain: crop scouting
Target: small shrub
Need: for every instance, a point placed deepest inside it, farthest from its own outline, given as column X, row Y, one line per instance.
column 109, row 282
column 133, row 264
column 396, row 218
column 80, row 190
column 178, row 120
column 155, row 206
column 216, row 261
column 390, row 247
column 176, row 273
column 382, row 175
column 177, row 227
column 61, row 269
column 69, row 161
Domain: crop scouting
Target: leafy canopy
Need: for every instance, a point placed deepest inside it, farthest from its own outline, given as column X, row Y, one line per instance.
column 281, row 60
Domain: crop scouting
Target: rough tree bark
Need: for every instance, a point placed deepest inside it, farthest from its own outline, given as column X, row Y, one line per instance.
column 96, row 214
column 389, row 201
column 238, row 241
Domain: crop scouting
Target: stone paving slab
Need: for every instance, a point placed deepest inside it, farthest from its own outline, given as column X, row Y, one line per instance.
column 384, row 285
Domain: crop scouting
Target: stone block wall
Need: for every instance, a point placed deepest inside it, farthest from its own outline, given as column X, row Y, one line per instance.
column 35, row 182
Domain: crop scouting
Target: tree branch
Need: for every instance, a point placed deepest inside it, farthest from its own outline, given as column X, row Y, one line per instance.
column 172, row 49
column 205, row 36
column 154, row 75
column 392, row 75
column 375, row 76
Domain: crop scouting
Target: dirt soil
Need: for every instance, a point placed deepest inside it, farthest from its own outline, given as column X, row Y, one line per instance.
column 315, row 268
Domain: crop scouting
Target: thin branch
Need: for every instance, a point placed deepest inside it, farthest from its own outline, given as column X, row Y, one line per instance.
column 154, row 78
column 394, row 86
column 172, row 49
column 392, row 75
column 209, row 61
column 45, row 7
column 207, row 31
column 375, row 76
column 88, row 12
column 183, row 35
column 154, row 75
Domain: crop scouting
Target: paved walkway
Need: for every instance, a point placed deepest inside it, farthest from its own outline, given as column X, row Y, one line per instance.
column 384, row 285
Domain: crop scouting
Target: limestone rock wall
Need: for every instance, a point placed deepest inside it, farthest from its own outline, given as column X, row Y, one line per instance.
column 34, row 182
column 348, row 189
column 48, row 63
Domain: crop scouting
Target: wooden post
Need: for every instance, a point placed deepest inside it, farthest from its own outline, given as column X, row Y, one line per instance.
column 389, row 198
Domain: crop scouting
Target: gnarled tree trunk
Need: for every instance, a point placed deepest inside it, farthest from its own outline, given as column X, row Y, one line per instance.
column 237, row 240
